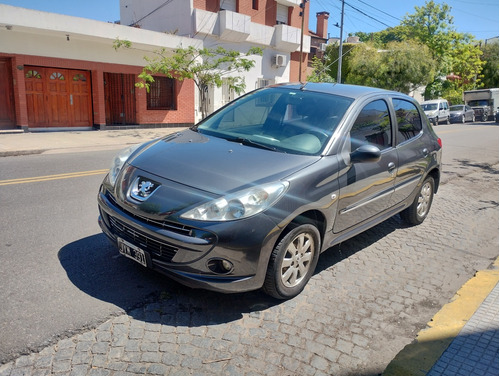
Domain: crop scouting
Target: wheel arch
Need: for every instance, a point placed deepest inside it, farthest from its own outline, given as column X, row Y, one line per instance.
column 435, row 174
column 314, row 217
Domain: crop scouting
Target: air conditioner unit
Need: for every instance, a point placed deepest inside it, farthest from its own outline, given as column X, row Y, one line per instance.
column 279, row 60
column 322, row 47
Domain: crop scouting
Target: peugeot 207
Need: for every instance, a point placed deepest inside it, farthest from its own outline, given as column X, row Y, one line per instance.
column 249, row 197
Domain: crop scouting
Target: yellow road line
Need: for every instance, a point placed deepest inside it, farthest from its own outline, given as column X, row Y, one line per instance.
column 52, row 177
column 417, row 358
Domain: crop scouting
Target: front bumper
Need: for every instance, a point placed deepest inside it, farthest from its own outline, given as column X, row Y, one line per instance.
column 184, row 252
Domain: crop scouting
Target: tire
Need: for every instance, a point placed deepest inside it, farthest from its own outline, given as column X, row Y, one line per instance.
column 417, row 212
column 293, row 262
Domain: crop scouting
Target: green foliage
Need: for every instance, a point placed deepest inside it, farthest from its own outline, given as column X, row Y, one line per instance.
column 402, row 66
column 320, row 71
column 117, row 43
column 490, row 68
column 205, row 66
column 451, row 53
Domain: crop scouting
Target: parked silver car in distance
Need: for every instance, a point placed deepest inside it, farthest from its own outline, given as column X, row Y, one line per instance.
column 460, row 113
column 437, row 110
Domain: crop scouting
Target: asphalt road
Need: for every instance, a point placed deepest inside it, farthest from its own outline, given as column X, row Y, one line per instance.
column 60, row 276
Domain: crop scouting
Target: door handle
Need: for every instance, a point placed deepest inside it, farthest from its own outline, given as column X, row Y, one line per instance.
column 71, row 99
column 391, row 167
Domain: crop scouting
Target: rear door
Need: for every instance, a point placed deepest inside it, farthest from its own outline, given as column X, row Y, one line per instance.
column 366, row 188
column 413, row 154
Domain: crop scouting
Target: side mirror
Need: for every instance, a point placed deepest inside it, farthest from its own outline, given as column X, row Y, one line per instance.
column 366, row 153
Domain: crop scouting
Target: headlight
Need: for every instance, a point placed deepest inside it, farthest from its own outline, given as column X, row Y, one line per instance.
column 119, row 161
column 242, row 204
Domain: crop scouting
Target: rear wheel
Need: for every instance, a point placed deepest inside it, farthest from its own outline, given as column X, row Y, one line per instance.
column 417, row 212
column 292, row 262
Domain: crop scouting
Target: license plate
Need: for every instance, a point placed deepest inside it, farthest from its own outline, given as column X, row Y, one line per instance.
column 131, row 251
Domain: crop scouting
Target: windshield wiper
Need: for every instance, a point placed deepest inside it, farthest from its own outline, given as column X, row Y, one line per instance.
column 246, row 141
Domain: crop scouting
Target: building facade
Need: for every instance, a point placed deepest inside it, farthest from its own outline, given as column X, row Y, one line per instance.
column 62, row 72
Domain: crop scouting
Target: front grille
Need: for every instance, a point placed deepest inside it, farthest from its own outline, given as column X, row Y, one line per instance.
column 177, row 228
column 157, row 248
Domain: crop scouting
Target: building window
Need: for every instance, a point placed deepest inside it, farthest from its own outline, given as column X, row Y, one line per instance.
column 228, row 5
column 161, row 95
column 33, row 74
column 281, row 15
column 57, row 76
column 255, row 4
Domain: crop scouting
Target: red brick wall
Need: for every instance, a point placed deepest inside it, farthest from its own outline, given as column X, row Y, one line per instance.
column 185, row 91
column 208, row 5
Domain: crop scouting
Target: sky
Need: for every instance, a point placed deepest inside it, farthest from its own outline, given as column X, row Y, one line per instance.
column 477, row 17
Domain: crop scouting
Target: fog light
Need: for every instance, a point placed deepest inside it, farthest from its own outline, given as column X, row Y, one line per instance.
column 220, row 266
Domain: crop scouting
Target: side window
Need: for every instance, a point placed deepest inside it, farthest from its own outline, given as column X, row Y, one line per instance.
column 373, row 126
column 408, row 117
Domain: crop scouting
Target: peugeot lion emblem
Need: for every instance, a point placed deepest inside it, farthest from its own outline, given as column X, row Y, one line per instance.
column 142, row 188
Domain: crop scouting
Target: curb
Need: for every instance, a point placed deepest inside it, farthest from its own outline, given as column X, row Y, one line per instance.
column 417, row 358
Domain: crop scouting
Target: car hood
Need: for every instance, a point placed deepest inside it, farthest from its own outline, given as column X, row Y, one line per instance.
column 214, row 164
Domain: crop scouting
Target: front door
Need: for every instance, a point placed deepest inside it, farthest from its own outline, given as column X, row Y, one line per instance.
column 58, row 97
column 7, row 110
column 366, row 188
column 119, row 95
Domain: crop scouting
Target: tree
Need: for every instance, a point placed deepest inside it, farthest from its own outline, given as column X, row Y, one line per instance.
column 320, row 70
column 401, row 66
column 205, row 66
column 490, row 68
column 454, row 52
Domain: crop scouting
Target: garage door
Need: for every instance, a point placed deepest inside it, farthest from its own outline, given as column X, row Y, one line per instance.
column 58, row 97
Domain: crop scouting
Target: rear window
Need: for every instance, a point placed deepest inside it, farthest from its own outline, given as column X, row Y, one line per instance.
column 408, row 118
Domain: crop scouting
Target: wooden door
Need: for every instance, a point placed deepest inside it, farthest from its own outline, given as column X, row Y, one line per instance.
column 35, row 97
column 58, row 97
column 7, row 109
column 119, row 93
column 80, row 98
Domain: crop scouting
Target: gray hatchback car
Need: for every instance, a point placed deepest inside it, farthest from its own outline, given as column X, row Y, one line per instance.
column 249, row 197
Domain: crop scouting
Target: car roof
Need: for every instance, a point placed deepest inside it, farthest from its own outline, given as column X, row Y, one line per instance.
column 434, row 101
column 352, row 91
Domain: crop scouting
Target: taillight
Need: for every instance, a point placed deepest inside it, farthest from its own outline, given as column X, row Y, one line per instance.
column 440, row 142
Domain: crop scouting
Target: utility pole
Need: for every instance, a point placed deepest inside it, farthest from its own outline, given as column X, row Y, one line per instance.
column 339, row 71
column 303, row 8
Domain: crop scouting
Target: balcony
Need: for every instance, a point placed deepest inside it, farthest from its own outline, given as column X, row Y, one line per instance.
column 289, row 3
column 234, row 27
column 286, row 38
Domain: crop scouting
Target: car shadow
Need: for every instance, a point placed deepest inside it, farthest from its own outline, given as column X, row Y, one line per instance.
column 344, row 250
column 94, row 266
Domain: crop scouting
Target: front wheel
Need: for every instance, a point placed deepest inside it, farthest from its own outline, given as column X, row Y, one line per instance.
column 417, row 212
column 293, row 262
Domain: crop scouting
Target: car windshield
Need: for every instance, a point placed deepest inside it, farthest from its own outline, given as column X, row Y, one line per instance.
column 429, row 106
column 284, row 120
column 456, row 108
column 479, row 102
